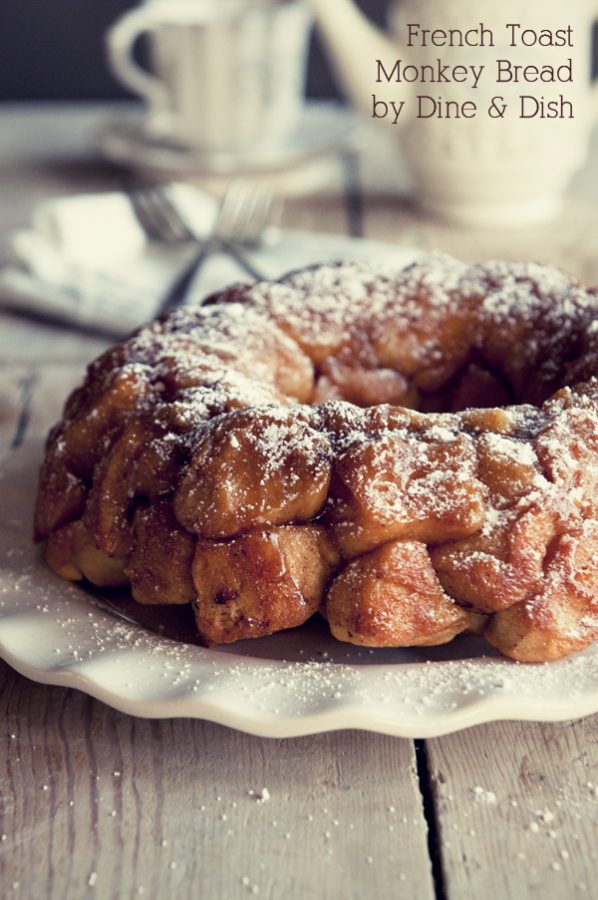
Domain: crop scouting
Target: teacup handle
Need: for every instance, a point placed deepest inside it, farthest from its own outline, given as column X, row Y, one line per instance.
column 120, row 41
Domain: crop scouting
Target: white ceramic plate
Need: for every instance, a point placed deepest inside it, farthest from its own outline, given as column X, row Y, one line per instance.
column 300, row 682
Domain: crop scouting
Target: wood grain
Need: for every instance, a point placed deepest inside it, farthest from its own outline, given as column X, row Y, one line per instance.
column 519, row 799
column 568, row 244
column 101, row 804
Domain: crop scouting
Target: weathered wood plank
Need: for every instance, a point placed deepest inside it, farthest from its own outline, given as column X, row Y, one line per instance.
column 176, row 818
column 328, row 214
column 93, row 798
column 517, row 807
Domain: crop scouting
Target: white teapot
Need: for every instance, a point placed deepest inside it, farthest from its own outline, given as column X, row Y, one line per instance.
column 468, row 163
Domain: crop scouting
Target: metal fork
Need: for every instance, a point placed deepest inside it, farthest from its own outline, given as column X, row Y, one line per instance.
column 245, row 218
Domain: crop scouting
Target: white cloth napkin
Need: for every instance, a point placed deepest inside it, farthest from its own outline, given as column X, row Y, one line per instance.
column 86, row 260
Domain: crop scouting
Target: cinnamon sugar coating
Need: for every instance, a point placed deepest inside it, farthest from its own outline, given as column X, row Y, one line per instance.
column 412, row 453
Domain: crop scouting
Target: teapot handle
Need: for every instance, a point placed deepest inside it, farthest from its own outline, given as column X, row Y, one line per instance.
column 353, row 44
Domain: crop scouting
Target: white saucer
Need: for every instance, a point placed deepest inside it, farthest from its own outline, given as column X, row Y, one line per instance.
column 323, row 129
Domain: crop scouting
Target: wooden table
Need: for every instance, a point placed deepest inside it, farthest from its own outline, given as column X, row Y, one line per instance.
column 94, row 803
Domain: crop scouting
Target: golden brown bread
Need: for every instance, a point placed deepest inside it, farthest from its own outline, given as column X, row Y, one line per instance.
column 391, row 597
column 260, row 582
column 243, row 457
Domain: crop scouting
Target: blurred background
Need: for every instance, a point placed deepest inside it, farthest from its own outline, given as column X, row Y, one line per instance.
column 54, row 49
column 254, row 144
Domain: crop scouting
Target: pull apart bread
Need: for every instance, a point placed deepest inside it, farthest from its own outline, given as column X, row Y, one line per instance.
column 412, row 454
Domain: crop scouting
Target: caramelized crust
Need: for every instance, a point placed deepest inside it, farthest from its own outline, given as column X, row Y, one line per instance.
column 500, row 565
column 561, row 616
column 260, row 582
column 72, row 554
column 259, row 465
column 159, row 565
column 415, row 453
column 391, row 597
column 405, row 485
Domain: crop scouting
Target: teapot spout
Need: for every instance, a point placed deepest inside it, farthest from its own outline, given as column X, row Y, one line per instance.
column 354, row 45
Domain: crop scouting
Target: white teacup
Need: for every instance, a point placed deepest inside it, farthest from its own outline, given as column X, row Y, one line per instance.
column 227, row 75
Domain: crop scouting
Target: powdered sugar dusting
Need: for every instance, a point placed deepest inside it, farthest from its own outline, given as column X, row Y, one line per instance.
column 217, row 406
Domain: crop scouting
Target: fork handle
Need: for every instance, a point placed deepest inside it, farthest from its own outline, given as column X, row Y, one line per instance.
column 241, row 260
column 178, row 291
